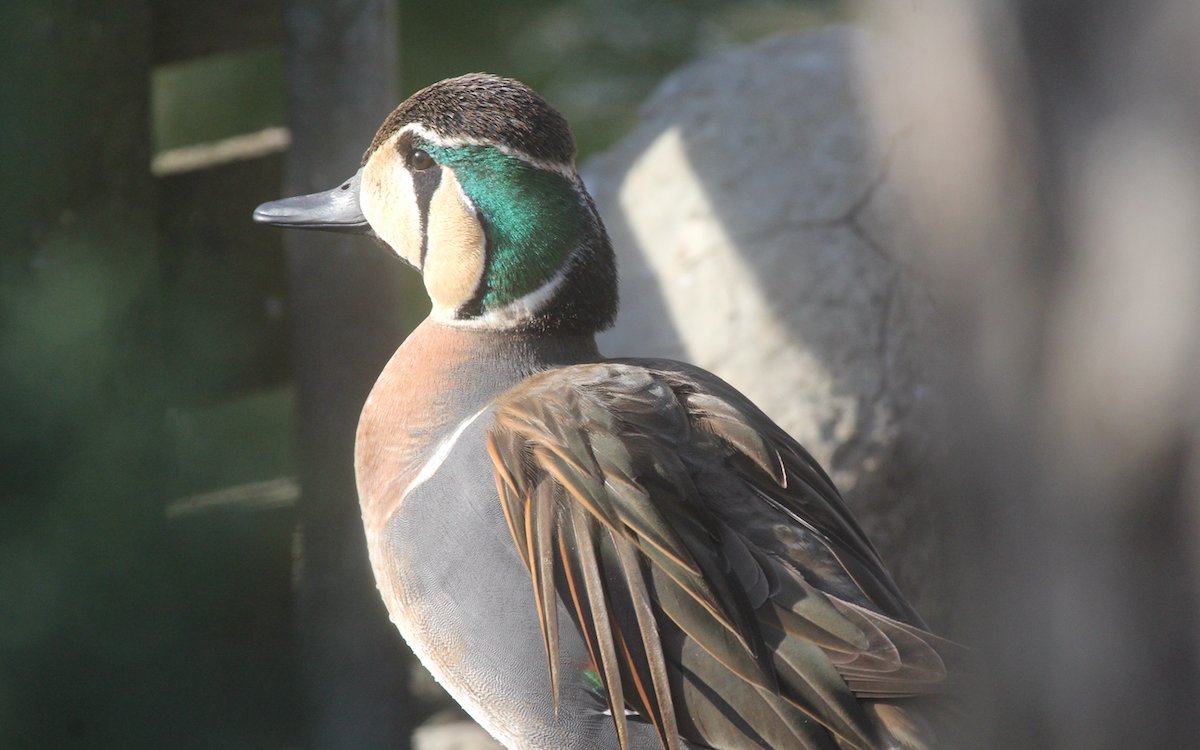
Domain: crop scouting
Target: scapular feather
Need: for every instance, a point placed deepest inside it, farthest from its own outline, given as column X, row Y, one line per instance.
column 648, row 499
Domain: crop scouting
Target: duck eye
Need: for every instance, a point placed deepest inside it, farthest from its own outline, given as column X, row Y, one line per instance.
column 420, row 160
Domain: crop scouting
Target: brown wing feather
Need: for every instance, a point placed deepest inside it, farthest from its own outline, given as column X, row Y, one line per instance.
column 720, row 584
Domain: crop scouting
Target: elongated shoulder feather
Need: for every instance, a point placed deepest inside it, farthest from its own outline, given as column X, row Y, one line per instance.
column 722, row 588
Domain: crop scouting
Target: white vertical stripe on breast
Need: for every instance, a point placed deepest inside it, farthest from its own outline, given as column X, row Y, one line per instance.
column 439, row 456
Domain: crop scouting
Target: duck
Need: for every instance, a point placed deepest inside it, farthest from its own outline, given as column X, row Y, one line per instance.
column 595, row 553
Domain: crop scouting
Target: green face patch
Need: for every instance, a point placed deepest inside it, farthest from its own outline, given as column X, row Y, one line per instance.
column 532, row 218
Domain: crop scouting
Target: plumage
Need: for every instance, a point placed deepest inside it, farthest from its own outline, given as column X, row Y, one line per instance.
column 663, row 467
column 590, row 552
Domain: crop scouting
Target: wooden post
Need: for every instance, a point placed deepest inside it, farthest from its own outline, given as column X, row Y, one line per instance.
column 341, row 70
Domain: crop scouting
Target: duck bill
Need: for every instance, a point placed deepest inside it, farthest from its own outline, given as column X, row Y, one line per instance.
column 334, row 210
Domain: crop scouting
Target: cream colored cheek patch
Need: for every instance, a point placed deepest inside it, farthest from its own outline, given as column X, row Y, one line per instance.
column 456, row 251
column 390, row 205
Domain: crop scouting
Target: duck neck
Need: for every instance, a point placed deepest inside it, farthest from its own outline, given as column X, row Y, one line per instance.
column 440, row 376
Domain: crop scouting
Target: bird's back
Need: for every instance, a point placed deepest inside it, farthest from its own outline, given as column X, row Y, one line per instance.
column 720, row 585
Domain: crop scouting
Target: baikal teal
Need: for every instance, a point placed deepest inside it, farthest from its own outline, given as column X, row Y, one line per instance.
column 594, row 553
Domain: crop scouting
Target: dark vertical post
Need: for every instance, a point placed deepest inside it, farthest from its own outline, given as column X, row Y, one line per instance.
column 341, row 69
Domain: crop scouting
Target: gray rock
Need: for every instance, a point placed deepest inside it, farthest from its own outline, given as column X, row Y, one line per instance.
column 760, row 236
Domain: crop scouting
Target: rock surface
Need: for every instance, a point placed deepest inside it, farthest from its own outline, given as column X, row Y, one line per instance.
column 760, row 236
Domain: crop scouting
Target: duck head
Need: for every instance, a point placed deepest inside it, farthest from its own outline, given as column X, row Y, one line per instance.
column 472, row 182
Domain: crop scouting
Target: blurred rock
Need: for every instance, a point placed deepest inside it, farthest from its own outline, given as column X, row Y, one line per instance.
column 760, row 236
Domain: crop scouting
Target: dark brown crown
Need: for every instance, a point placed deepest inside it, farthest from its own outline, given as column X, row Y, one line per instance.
column 486, row 108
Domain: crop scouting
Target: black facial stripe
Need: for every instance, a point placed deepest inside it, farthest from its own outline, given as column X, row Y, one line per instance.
column 425, row 184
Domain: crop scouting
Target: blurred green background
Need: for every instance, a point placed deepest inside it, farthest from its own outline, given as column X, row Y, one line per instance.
column 147, row 456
